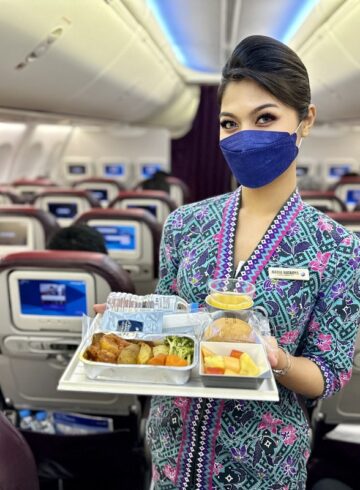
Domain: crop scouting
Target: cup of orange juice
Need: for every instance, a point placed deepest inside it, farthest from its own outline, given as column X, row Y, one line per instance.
column 230, row 294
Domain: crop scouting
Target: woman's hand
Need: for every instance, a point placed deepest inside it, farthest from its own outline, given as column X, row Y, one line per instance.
column 100, row 308
column 273, row 351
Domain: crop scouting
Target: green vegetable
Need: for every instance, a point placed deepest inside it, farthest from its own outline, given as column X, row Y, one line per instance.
column 181, row 346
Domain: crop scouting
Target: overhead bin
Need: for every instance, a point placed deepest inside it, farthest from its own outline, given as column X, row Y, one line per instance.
column 332, row 58
column 89, row 59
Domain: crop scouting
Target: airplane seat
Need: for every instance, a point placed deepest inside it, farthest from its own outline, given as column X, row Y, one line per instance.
column 44, row 295
column 26, row 189
column 102, row 189
column 25, row 228
column 65, row 203
column 8, row 197
column 157, row 203
column 132, row 237
column 179, row 190
column 342, row 408
column 349, row 219
column 348, row 190
column 17, row 468
column 325, row 201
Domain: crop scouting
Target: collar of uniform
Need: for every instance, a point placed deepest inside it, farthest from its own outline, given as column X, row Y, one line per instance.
column 265, row 248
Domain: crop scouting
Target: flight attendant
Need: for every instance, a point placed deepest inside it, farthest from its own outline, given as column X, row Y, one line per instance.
column 255, row 233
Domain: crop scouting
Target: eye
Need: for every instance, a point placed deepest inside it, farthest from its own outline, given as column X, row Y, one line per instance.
column 228, row 124
column 265, row 118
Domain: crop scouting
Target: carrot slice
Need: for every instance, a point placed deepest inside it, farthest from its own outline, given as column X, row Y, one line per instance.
column 158, row 360
column 174, row 360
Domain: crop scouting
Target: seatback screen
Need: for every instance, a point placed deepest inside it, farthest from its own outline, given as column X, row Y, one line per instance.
column 151, row 208
column 338, row 170
column 63, row 209
column 114, row 170
column 353, row 196
column 52, row 297
column 13, row 233
column 77, row 169
column 301, row 171
column 118, row 237
column 99, row 194
column 149, row 169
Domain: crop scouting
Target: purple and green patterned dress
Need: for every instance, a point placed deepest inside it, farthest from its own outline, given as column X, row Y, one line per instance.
column 227, row 444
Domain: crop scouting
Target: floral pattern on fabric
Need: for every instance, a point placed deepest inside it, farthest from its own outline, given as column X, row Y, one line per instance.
column 230, row 444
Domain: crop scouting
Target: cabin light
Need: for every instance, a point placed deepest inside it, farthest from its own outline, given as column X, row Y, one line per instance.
column 299, row 18
column 13, row 127
column 155, row 8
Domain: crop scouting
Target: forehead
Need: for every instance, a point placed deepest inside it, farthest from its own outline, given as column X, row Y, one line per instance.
column 246, row 94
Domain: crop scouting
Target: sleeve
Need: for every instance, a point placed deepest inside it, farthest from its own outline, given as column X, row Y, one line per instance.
column 334, row 322
column 169, row 256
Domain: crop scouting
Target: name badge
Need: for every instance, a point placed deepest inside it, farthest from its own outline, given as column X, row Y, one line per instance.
column 289, row 273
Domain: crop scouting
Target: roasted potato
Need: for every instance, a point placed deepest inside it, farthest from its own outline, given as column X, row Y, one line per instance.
column 145, row 353
column 129, row 354
column 161, row 349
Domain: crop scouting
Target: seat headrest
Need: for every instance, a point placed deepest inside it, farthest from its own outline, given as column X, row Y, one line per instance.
column 92, row 262
column 41, row 182
column 325, row 195
column 145, row 194
column 100, row 180
column 346, row 217
column 14, row 198
column 138, row 215
column 347, row 180
column 70, row 192
column 47, row 220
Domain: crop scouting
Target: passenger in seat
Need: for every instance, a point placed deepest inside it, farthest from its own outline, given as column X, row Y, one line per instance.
column 78, row 237
column 305, row 269
column 157, row 182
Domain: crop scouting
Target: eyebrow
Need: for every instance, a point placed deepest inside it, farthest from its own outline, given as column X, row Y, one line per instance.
column 254, row 111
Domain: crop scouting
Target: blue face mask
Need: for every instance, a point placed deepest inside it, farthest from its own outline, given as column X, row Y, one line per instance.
column 258, row 157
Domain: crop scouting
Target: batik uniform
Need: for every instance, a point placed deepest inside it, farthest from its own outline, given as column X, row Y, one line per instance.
column 225, row 444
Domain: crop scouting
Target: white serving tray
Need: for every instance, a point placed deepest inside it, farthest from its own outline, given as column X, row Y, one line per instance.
column 74, row 379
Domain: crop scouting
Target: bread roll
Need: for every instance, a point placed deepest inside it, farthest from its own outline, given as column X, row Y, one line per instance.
column 228, row 329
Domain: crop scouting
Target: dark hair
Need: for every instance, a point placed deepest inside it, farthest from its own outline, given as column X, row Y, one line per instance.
column 157, row 182
column 78, row 237
column 274, row 66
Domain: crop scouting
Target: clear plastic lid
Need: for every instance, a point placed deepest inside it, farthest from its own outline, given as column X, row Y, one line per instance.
column 131, row 302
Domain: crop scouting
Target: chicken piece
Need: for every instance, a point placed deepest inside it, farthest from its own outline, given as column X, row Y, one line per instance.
column 92, row 353
column 109, row 343
column 96, row 338
column 129, row 354
column 145, row 353
column 107, row 356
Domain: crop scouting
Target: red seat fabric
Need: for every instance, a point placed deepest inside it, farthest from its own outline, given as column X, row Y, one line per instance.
column 96, row 263
column 17, row 464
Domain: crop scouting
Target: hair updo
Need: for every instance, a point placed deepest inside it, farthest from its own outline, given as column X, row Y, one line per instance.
column 274, row 66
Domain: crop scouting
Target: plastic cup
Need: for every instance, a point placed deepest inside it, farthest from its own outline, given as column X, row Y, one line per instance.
column 230, row 294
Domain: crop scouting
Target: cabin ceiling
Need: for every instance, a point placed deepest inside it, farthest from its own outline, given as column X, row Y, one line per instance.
column 206, row 31
column 112, row 60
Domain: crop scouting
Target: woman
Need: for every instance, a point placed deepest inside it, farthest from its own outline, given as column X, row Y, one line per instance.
column 226, row 444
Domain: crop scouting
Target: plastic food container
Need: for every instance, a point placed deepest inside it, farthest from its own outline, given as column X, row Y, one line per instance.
column 255, row 351
column 140, row 373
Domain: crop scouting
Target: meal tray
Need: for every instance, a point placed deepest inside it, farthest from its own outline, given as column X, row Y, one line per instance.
column 135, row 372
column 75, row 379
